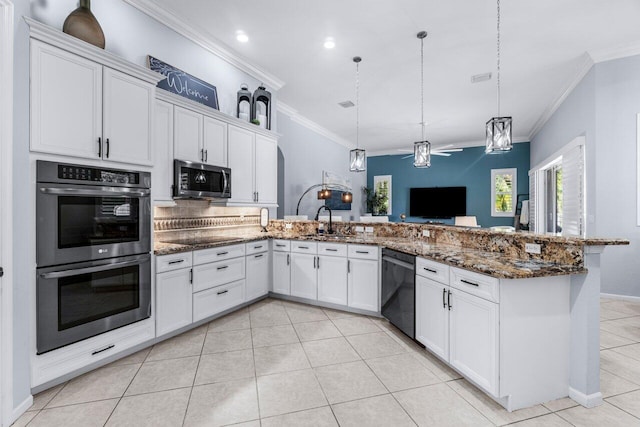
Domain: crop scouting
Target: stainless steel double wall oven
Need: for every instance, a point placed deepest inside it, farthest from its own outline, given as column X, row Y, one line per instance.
column 92, row 251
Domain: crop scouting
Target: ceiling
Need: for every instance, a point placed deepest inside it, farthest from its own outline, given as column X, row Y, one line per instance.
column 547, row 45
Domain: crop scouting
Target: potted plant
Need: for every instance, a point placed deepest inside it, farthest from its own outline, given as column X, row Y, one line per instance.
column 376, row 202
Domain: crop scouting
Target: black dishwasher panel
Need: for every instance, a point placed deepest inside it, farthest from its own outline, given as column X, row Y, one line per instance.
column 398, row 290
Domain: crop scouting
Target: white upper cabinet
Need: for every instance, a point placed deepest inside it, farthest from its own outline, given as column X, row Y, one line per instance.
column 66, row 102
column 188, row 135
column 162, row 177
column 242, row 164
column 215, row 142
column 82, row 108
column 266, row 170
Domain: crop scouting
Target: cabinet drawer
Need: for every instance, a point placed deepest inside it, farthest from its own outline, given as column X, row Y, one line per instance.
column 215, row 300
column 217, row 254
column 217, row 273
column 332, row 249
column 173, row 262
column 304, row 247
column 432, row 270
column 256, row 247
column 363, row 251
column 280, row 245
column 475, row 284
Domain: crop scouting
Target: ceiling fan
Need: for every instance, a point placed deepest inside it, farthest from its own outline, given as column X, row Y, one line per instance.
column 442, row 151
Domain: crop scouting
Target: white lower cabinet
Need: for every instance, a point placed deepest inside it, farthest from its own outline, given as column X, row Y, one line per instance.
column 332, row 279
column 304, row 279
column 257, row 275
column 173, row 300
column 281, row 272
column 432, row 316
column 363, row 284
column 216, row 300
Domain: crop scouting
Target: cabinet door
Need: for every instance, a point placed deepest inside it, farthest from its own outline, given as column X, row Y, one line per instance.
column 473, row 339
column 215, row 142
column 432, row 316
column 303, row 276
column 332, row 279
column 127, row 118
column 241, row 162
column 173, row 300
column 363, row 284
column 187, row 131
column 162, row 176
column 266, row 170
column 66, row 102
column 257, row 276
column 282, row 273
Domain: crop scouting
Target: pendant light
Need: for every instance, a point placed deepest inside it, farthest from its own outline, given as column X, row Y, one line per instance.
column 498, row 130
column 422, row 148
column 357, row 157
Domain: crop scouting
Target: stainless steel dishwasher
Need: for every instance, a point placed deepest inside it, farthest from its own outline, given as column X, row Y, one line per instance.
column 399, row 290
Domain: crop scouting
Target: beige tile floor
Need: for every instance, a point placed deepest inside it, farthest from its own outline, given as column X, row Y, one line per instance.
column 284, row 364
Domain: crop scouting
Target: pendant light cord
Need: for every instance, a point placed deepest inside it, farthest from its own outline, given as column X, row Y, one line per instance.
column 357, row 102
column 498, row 58
column 422, row 86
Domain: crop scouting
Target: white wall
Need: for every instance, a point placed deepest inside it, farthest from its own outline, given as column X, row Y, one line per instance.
column 603, row 108
column 306, row 154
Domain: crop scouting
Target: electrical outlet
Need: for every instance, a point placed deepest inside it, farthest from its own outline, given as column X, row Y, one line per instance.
column 532, row 248
column 426, row 233
column 288, row 226
column 359, row 229
column 368, row 229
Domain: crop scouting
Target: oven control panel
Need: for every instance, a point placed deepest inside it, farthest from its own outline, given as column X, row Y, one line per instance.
column 81, row 173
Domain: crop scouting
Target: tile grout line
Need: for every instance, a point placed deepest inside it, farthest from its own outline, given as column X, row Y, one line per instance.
column 195, row 375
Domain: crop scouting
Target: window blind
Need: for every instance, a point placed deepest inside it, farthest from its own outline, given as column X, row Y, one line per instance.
column 532, row 199
column 573, row 192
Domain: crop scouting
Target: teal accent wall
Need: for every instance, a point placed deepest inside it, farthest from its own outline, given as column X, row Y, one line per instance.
column 470, row 168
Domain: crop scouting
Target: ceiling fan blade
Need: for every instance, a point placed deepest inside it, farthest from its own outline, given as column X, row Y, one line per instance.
column 406, row 157
column 450, row 150
column 438, row 153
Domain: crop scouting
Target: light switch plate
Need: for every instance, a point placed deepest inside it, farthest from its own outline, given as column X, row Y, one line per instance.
column 288, row 226
column 368, row 229
column 426, row 233
column 359, row 229
column 532, row 248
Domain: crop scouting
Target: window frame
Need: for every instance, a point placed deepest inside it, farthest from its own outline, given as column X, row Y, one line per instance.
column 514, row 191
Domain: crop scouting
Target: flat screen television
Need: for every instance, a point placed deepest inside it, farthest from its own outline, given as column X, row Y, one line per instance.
column 438, row 202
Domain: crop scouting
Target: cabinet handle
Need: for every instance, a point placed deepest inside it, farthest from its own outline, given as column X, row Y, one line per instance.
column 107, row 148
column 206, row 155
column 280, row 245
column 223, row 292
column 257, row 247
column 109, row 347
column 314, row 262
column 318, row 262
column 430, row 270
column 176, row 262
column 303, row 247
column 99, row 147
column 449, row 300
column 259, row 256
column 331, row 250
column 469, row 283
column 257, row 196
column 288, row 259
column 202, row 154
column 191, row 276
column 362, row 252
column 224, row 267
column 348, row 266
column 444, row 297
column 222, row 253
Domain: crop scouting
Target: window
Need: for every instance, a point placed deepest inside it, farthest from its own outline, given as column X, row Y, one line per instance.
column 557, row 189
column 382, row 187
column 503, row 191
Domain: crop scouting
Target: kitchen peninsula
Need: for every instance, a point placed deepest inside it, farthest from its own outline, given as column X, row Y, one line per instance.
column 542, row 309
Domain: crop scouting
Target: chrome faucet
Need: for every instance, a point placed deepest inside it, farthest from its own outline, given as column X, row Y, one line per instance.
column 330, row 230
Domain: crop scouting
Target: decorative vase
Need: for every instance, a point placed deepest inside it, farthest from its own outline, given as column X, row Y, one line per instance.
column 83, row 25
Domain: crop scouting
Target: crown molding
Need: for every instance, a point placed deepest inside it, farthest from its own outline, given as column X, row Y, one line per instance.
column 184, row 29
column 585, row 66
column 287, row 110
column 618, row 52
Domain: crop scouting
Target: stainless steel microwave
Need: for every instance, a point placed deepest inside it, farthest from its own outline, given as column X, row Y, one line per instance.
column 200, row 181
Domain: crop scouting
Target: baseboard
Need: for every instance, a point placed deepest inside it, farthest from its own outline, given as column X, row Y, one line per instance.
column 21, row 409
column 588, row 401
column 621, row 297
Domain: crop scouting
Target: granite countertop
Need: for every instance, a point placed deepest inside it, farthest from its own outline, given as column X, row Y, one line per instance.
column 493, row 264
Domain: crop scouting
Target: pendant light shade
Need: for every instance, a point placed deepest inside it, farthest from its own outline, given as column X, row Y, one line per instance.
column 357, row 156
column 422, row 149
column 347, row 197
column 422, row 154
column 499, row 135
column 498, row 129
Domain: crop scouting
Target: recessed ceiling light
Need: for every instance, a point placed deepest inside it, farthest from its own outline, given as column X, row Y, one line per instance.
column 329, row 43
column 242, row 37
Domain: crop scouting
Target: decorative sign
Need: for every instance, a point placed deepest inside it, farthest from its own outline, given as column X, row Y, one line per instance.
column 184, row 84
column 335, row 202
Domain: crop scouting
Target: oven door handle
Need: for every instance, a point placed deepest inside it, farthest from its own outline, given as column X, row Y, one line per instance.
column 94, row 269
column 103, row 191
